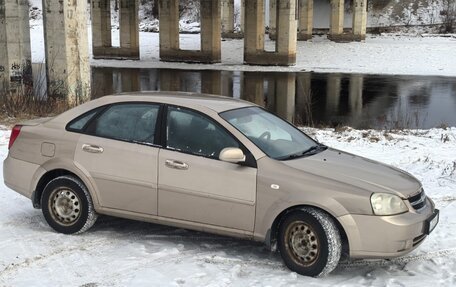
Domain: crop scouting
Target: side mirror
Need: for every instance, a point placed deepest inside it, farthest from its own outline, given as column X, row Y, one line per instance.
column 233, row 155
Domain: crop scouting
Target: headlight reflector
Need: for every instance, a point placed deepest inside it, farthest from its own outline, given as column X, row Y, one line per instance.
column 387, row 204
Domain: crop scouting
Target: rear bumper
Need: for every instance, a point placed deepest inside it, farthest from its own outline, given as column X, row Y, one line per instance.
column 373, row 237
column 19, row 175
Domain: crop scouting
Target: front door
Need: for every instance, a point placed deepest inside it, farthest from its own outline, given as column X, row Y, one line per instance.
column 118, row 152
column 193, row 184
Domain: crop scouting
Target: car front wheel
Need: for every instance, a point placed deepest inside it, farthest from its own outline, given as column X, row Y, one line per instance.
column 309, row 242
column 67, row 205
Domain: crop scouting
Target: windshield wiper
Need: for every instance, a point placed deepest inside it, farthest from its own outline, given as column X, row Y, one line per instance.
column 312, row 150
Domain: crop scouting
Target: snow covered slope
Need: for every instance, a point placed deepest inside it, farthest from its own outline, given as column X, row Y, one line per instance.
column 119, row 252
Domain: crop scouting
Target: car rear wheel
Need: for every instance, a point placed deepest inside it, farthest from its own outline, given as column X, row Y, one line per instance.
column 67, row 205
column 309, row 242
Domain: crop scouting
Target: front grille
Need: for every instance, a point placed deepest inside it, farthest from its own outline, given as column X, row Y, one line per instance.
column 418, row 201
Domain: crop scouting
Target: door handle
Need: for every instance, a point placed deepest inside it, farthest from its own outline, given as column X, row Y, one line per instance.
column 176, row 164
column 92, row 148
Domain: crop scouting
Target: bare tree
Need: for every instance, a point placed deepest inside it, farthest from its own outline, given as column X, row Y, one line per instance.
column 448, row 15
column 150, row 8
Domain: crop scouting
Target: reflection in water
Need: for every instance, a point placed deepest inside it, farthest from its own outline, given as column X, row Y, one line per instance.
column 360, row 101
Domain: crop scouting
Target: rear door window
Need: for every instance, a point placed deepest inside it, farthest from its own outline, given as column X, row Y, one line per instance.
column 127, row 122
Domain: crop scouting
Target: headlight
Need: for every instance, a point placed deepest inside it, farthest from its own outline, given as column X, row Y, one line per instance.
column 387, row 204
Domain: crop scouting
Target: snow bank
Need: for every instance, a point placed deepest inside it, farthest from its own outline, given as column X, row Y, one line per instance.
column 120, row 252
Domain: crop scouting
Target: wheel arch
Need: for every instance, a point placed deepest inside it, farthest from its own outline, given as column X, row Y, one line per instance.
column 54, row 171
column 44, row 180
column 272, row 235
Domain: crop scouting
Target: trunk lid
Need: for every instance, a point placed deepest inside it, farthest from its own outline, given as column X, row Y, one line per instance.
column 35, row 122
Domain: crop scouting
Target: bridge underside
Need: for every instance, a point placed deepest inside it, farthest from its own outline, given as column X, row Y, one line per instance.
column 66, row 41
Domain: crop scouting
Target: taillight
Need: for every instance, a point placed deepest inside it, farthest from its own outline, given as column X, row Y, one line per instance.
column 14, row 134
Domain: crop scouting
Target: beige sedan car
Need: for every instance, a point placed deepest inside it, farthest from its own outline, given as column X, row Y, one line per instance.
column 218, row 165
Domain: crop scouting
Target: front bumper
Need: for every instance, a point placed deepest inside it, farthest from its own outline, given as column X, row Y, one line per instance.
column 373, row 236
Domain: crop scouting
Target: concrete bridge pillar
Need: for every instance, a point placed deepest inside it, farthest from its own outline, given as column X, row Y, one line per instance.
column 211, row 46
column 66, row 44
column 242, row 16
column 15, row 57
column 305, row 26
column 359, row 19
column 210, row 33
column 286, row 32
column 169, row 29
column 336, row 28
column 228, row 24
column 128, row 26
column 337, row 20
column 273, row 19
column 101, row 27
column 285, row 53
column 228, row 19
column 358, row 31
column 254, row 31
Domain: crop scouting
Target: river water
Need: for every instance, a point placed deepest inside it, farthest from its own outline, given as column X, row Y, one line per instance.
column 313, row 99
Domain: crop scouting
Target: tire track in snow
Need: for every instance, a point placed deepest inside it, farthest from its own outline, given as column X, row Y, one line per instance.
column 237, row 261
column 190, row 237
column 15, row 267
column 343, row 265
column 445, row 253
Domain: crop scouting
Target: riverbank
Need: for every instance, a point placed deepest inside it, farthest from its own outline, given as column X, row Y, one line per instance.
column 385, row 54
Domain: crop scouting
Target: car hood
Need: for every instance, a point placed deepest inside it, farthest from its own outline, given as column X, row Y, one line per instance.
column 363, row 173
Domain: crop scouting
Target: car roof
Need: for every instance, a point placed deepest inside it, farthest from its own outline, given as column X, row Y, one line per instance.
column 201, row 102
column 192, row 100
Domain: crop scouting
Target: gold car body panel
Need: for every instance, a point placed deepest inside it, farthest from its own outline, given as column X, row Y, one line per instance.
column 125, row 174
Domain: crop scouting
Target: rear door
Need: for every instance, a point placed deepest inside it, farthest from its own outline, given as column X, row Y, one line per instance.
column 194, row 185
column 118, row 151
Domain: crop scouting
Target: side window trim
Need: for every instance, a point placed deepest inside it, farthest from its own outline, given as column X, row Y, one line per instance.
column 163, row 120
column 251, row 162
column 103, row 109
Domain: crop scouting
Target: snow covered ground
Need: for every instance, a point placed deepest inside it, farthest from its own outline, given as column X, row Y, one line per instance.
column 118, row 252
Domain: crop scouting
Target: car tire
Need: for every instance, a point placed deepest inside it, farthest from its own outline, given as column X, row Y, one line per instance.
column 67, row 205
column 309, row 242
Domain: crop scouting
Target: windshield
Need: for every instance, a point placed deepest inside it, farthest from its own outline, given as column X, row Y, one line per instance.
column 275, row 137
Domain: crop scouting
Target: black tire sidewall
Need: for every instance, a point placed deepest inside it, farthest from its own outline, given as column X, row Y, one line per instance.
column 75, row 186
column 322, row 260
